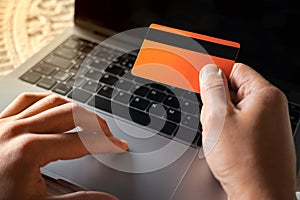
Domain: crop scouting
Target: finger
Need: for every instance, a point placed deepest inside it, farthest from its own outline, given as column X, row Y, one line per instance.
column 43, row 104
column 64, row 118
column 244, row 80
column 214, row 88
column 83, row 195
column 216, row 101
column 52, row 147
column 23, row 101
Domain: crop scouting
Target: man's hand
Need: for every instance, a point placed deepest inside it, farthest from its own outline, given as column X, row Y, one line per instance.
column 33, row 133
column 253, row 155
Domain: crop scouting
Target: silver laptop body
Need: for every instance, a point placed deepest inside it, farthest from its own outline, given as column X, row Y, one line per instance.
column 186, row 177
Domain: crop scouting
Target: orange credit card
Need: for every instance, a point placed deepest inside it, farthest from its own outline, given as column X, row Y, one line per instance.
column 175, row 57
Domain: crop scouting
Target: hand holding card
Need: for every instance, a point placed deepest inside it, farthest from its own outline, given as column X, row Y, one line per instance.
column 175, row 57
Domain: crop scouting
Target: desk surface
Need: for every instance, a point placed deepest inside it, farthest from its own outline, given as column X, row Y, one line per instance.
column 25, row 27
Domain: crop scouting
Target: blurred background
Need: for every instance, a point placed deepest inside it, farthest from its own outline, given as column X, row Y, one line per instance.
column 28, row 25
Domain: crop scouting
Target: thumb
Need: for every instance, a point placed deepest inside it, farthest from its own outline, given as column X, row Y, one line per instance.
column 216, row 100
column 214, row 86
column 84, row 195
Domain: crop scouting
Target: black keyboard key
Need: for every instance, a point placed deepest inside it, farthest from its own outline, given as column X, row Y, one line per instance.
column 61, row 76
column 111, row 58
column 116, row 70
column 58, row 62
column 156, row 109
column 172, row 101
column 141, row 90
column 124, row 85
column 75, row 68
column 80, row 59
column 293, row 126
column 134, row 53
column 46, row 83
column 192, row 97
column 116, row 59
column 44, row 69
column 294, row 116
column 100, row 103
column 139, row 80
column 139, row 117
column 294, row 112
column 173, row 115
column 71, row 44
column 76, row 81
column 178, row 92
column 31, row 77
column 93, row 74
column 66, row 53
column 86, row 49
column 105, row 48
column 81, row 41
column 158, row 86
column 161, row 126
column 100, row 53
column 127, row 62
column 123, row 97
column 120, row 110
column 109, row 79
column 169, row 128
column 100, row 65
column 294, row 107
column 191, row 122
column 156, row 96
column 62, row 89
column 106, row 91
column 139, row 103
column 79, row 69
column 80, row 95
column 186, row 134
column 91, row 86
column 127, row 75
column 189, row 107
column 117, row 52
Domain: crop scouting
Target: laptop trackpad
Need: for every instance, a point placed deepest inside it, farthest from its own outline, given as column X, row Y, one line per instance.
column 151, row 169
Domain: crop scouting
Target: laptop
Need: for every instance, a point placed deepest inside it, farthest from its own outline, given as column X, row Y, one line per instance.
column 84, row 65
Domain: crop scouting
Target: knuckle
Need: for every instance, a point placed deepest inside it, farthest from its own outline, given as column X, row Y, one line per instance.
column 277, row 96
column 280, row 95
column 27, row 144
column 75, row 107
column 25, row 96
column 54, row 98
column 11, row 128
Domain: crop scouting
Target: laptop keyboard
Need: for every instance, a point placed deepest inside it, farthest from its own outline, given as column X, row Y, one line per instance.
column 100, row 79
column 294, row 111
column 96, row 78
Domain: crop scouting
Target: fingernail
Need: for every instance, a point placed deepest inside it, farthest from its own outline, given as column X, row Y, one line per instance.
column 124, row 144
column 209, row 70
